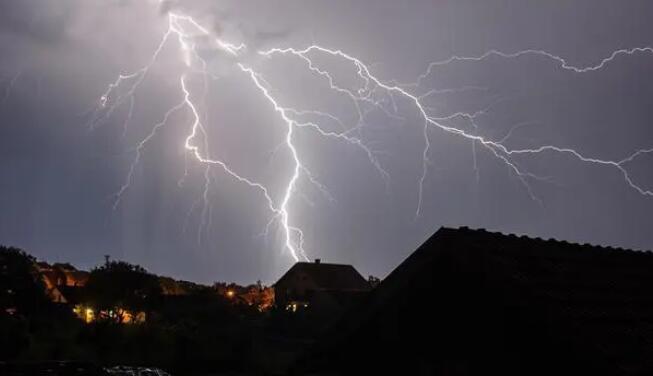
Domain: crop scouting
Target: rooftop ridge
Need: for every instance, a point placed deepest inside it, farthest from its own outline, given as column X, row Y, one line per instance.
column 321, row 263
column 563, row 242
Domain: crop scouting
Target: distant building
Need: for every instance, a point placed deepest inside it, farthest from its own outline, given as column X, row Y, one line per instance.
column 324, row 288
column 62, row 281
column 472, row 302
column 257, row 295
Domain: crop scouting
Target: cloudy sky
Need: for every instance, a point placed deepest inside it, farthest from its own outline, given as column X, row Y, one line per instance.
column 65, row 160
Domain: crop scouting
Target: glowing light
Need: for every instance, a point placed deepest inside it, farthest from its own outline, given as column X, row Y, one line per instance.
column 85, row 314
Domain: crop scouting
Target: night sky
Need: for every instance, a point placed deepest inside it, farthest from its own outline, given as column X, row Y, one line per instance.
column 64, row 157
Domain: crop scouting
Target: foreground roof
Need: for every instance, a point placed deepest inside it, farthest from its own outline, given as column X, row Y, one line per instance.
column 482, row 302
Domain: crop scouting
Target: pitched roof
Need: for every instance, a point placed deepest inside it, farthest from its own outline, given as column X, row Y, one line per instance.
column 540, row 301
column 328, row 276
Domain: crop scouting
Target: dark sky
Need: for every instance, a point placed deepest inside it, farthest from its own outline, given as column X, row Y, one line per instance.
column 59, row 176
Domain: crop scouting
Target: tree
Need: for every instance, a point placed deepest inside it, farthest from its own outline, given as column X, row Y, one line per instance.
column 373, row 281
column 119, row 285
column 21, row 289
column 22, row 297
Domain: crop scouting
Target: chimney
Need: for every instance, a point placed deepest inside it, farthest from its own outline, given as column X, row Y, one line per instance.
column 317, row 261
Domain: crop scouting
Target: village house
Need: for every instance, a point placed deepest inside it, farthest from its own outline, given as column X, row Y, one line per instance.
column 323, row 288
column 62, row 281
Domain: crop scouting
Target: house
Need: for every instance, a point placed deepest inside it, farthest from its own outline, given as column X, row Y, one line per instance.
column 62, row 281
column 472, row 302
column 323, row 288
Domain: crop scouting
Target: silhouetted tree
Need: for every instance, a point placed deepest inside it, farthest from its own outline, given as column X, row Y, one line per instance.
column 118, row 284
column 23, row 302
column 373, row 281
column 21, row 289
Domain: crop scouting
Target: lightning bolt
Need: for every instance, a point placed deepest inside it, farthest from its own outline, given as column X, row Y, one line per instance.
column 369, row 94
column 563, row 63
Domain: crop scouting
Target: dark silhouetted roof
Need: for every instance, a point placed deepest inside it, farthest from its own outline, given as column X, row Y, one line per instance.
column 476, row 302
column 328, row 276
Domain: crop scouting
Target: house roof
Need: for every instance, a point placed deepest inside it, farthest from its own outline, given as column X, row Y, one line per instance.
column 328, row 276
column 542, row 300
